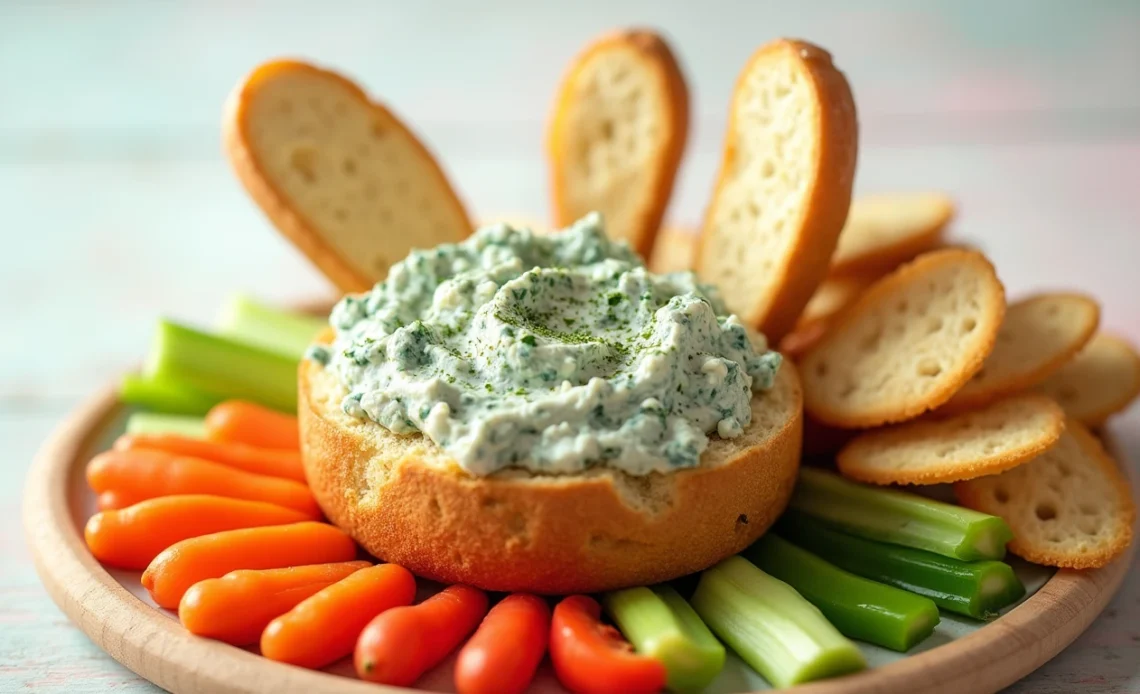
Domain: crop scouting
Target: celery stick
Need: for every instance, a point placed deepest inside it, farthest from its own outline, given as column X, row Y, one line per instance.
column 661, row 625
column 152, row 423
column 284, row 332
column 223, row 367
column 889, row 515
column 165, row 396
column 782, row 636
column 976, row 589
column 860, row 608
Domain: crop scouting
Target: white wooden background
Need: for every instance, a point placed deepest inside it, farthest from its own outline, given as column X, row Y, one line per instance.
column 116, row 205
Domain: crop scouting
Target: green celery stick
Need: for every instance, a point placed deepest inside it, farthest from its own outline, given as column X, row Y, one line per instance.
column 164, row 396
column 222, row 367
column 976, row 589
column 860, row 608
column 782, row 636
column 284, row 332
column 153, row 423
column 661, row 625
column 889, row 515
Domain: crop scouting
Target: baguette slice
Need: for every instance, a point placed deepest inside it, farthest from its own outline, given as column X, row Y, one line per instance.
column 1070, row 507
column 1038, row 336
column 1099, row 382
column 834, row 296
column 784, row 186
column 982, row 442
column 674, row 250
column 340, row 176
column 908, row 344
column 620, row 121
column 405, row 501
column 885, row 230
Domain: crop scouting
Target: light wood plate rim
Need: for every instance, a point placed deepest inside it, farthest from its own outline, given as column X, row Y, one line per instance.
column 158, row 649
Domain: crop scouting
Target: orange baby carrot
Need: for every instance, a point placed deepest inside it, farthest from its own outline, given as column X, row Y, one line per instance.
column 137, row 475
column 505, row 651
column 261, row 461
column 238, row 421
column 130, row 538
column 236, row 607
column 405, row 642
column 338, row 613
column 185, row 563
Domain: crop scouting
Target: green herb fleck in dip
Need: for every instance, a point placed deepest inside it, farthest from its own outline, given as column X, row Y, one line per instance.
column 550, row 353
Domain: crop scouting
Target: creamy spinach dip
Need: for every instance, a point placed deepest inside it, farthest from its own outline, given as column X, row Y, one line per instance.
column 548, row 352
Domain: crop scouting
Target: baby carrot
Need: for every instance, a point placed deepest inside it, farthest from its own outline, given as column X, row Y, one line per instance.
column 130, row 538
column 185, row 563
column 239, row 421
column 338, row 613
column 506, row 649
column 137, row 475
column 236, row 607
column 261, row 461
column 405, row 642
column 592, row 658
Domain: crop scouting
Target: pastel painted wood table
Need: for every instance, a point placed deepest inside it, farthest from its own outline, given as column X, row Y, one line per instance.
column 118, row 206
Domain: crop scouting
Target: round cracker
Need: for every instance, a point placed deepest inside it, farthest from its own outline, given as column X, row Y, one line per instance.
column 887, row 229
column 1099, row 382
column 1038, row 336
column 1069, row 507
column 834, row 296
column 982, row 442
column 908, row 344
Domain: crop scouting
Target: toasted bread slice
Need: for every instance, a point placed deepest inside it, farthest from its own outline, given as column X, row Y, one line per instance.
column 674, row 250
column 835, row 295
column 404, row 500
column 885, row 230
column 1099, row 382
column 994, row 439
column 1070, row 507
column 1038, row 336
column 620, row 121
column 784, row 186
column 909, row 342
column 340, row 176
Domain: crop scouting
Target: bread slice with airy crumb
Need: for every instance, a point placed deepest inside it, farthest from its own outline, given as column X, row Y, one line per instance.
column 784, row 186
column 981, row 442
column 617, row 133
column 405, row 501
column 1069, row 507
column 908, row 344
column 674, row 250
column 1038, row 336
column 1103, row 379
column 339, row 175
column 887, row 229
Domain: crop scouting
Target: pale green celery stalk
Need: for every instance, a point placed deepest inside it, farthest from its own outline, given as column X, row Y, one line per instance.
column 772, row 627
column 153, row 423
column 661, row 625
column 284, row 332
column 165, row 396
column 222, row 367
column 900, row 518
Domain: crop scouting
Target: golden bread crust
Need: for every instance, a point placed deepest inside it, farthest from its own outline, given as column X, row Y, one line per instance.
column 407, row 503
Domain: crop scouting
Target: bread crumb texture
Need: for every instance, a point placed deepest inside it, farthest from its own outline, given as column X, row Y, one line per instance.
column 1069, row 507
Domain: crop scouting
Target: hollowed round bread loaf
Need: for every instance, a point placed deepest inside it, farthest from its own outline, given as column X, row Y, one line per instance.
column 407, row 502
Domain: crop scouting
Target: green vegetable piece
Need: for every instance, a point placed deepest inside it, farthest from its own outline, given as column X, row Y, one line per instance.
column 153, row 423
column 222, row 367
column 164, row 396
column 284, row 332
column 860, row 608
column 889, row 515
column 975, row 589
column 661, row 625
column 782, row 636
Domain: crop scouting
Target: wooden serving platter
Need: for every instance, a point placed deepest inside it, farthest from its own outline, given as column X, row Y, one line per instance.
column 110, row 607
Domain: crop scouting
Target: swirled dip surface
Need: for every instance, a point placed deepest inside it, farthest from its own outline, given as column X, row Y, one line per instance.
column 550, row 353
